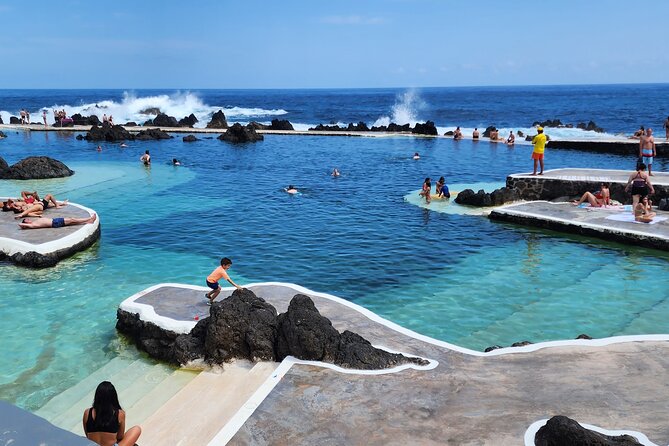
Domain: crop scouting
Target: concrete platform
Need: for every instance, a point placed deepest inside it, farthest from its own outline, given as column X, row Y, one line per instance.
column 48, row 246
column 462, row 397
column 612, row 224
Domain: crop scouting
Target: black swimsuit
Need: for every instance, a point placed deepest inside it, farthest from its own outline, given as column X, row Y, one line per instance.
column 92, row 425
column 639, row 185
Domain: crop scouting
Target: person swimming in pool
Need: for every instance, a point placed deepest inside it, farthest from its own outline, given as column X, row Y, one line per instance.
column 416, row 156
column 58, row 222
column 335, row 172
column 291, row 189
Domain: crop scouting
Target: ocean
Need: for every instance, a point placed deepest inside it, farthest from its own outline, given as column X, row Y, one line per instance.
column 440, row 271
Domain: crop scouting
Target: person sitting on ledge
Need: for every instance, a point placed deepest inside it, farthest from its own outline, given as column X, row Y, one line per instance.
column 457, row 134
column 58, row 222
column 104, row 422
column 475, row 133
column 639, row 133
column 643, row 212
column 511, row 140
column 600, row 198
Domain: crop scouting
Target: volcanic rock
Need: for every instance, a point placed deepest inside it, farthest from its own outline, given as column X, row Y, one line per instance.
column 326, row 128
column 258, row 126
column 548, row 123
column 2, row 135
column 162, row 120
column 3, row 166
column 151, row 134
column 190, row 138
column 563, row 431
column 590, row 126
column 281, row 124
column 148, row 123
column 1, row 120
column 481, row 198
column 239, row 134
column 36, row 168
column 130, row 124
column 14, row 120
column 78, row 119
column 241, row 326
column 425, row 129
column 109, row 133
column 188, row 121
column 218, row 121
column 150, row 111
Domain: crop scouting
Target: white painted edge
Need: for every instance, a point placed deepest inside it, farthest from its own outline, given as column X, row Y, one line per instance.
column 534, row 427
column 12, row 246
column 600, row 228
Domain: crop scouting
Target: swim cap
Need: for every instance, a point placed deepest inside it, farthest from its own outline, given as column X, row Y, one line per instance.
column 540, row 129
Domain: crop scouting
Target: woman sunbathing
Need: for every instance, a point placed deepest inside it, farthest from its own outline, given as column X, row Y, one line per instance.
column 643, row 211
column 36, row 208
column 600, row 198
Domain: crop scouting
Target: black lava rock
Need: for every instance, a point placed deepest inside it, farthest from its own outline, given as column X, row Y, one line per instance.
column 152, row 134
column 218, row 121
column 190, row 138
column 188, row 121
column 563, row 431
column 14, row 120
column 109, row 133
column 2, row 135
column 425, row 129
column 496, row 198
column 162, row 120
column 239, row 134
column 36, row 167
column 281, row 124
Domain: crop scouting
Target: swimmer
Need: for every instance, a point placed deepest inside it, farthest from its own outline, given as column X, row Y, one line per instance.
column 176, row 162
column 416, row 156
column 146, row 158
column 457, row 134
column 99, row 149
column 291, row 189
column 335, row 172
column 123, row 145
column 475, row 133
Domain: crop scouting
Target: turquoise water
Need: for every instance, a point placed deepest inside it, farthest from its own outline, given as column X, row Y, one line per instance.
column 456, row 277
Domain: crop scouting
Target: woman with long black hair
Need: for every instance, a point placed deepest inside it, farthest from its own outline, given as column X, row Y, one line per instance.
column 104, row 423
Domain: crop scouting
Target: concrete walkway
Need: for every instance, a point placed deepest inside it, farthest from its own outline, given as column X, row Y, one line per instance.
column 467, row 398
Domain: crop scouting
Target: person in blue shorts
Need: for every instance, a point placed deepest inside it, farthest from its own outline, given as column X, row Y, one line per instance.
column 58, row 222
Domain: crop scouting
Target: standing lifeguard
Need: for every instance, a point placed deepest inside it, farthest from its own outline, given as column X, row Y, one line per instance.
column 539, row 142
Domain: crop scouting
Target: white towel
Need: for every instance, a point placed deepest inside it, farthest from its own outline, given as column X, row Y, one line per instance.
column 630, row 218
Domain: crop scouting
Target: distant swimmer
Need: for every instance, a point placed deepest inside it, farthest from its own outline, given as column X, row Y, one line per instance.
column 511, row 140
column 146, row 158
column 123, row 145
column 99, row 149
column 335, row 172
column 457, row 134
column 176, row 162
column 291, row 189
column 58, row 222
column 416, row 156
column 475, row 133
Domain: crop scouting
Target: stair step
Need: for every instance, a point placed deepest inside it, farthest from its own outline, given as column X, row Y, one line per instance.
column 194, row 415
column 121, row 379
column 63, row 401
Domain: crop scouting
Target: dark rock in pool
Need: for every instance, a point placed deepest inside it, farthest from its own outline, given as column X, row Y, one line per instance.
column 239, row 134
column 281, row 124
column 481, row 198
column 2, row 135
column 392, row 127
column 257, row 125
column 583, row 336
column 162, row 120
column 188, row 121
column 521, row 344
column 563, row 431
column 590, row 126
column 14, row 120
column 241, row 326
column 107, row 132
column 151, row 134
column 218, row 121
column 130, row 124
column 148, row 123
column 449, row 133
column 486, row 132
column 425, row 129
column 359, row 127
column 190, row 138
column 3, row 166
column 79, row 137
column 36, row 168
column 492, row 347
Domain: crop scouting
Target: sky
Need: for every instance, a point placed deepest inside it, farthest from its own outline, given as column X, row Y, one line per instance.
column 331, row 44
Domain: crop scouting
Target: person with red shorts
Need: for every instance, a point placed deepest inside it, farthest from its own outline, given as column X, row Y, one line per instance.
column 539, row 142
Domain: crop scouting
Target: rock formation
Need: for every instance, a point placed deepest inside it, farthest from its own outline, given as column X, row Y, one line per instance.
column 2, row 135
column 151, row 134
column 245, row 326
column 563, row 431
column 218, row 121
column 109, row 133
column 34, row 168
column 496, row 198
column 14, row 120
column 78, row 119
column 188, row 121
column 162, row 120
column 239, row 134
column 425, row 129
column 189, row 138
column 151, row 111
column 281, row 124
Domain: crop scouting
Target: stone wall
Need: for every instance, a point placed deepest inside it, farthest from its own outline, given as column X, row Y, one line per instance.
column 623, row 147
column 543, row 188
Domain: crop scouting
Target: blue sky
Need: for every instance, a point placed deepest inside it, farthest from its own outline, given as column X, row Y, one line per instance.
column 351, row 43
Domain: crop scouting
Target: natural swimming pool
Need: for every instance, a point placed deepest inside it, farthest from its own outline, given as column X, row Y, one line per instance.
column 459, row 278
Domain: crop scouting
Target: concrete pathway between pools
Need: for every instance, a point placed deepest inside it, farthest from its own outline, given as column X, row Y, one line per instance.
column 463, row 397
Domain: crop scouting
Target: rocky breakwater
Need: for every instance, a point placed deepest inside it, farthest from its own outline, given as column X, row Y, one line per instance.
column 428, row 128
column 241, row 134
column 34, row 168
column 245, row 326
column 218, row 121
column 481, row 198
column 113, row 133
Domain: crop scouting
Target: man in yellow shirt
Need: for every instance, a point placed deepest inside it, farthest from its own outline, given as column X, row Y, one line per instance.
column 539, row 142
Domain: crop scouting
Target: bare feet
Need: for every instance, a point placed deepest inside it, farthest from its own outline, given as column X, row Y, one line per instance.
column 92, row 219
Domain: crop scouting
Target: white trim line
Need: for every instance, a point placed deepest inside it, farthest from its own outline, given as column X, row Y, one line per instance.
column 534, row 428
